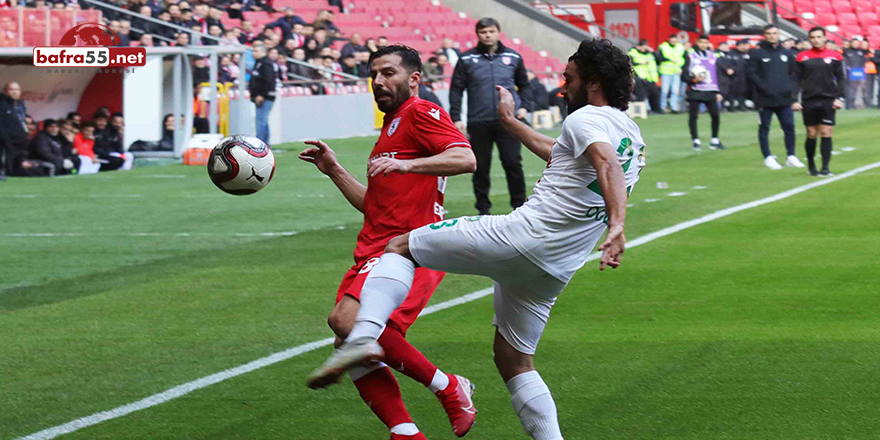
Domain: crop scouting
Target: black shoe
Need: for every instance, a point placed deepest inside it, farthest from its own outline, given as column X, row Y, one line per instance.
column 718, row 146
column 825, row 172
column 813, row 172
column 484, row 212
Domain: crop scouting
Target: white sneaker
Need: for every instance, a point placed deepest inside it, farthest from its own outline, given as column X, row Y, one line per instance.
column 361, row 351
column 770, row 162
column 793, row 161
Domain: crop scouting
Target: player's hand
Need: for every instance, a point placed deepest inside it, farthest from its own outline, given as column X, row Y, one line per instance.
column 797, row 107
column 719, row 98
column 321, row 155
column 521, row 113
column 730, row 72
column 385, row 165
column 506, row 104
column 838, row 104
column 613, row 248
column 461, row 126
column 258, row 101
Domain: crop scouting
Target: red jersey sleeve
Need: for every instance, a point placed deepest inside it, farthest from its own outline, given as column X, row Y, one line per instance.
column 434, row 131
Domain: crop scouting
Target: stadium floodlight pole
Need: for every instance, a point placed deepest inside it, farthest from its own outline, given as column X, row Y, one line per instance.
column 207, row 36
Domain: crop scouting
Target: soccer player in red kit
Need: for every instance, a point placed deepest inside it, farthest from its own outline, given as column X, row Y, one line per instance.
column 418, row 147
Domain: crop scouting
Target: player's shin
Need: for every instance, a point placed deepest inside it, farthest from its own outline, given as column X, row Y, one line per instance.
column 534, row 406
column 384, row 290
column 379, row 390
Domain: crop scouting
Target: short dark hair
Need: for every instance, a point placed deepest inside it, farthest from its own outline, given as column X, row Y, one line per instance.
column 99, row 114
column 486, row 22
column 409, row 57
column 643, row 42
column 49, row 122
column 816, row 28
column 86, row 125
column 673, row 35
column 119, row 114
column 702, row 37
column 72, row 114
column 600, row 61
column 768, row 27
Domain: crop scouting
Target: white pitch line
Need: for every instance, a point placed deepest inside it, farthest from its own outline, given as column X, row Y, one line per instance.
column 181, row 390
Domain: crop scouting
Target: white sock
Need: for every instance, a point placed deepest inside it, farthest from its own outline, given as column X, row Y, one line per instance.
column 439, row 382
column 384, row 290
column 716, row 141
column 534, row 406
column 405, row 429
column 358, row 372
column 697, row 142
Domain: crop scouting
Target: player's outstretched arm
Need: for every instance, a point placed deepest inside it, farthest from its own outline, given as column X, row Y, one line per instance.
column 450, row 162
column 325, row 160
column 538, row 143
column 613, row 185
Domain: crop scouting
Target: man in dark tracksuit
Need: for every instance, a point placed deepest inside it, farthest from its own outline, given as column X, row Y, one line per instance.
column 262, row 86
column 13, row 133
column 771, row 72
column 823, row 84
column 738, row 85
column 478, row 71
column 52, row 147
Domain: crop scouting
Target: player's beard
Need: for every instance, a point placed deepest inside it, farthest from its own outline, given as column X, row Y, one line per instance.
column 398, row 96
column 576, row 100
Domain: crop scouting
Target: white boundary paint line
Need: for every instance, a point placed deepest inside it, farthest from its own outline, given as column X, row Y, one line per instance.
column 207, row 381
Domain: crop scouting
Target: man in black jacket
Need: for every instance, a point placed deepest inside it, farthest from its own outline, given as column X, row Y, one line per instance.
column 478, row 71
column 262, row 88
column 108, row 144
column 50, row 146
column 13, row 132
column 820, row 76
column 735, row 70
column 771, row 73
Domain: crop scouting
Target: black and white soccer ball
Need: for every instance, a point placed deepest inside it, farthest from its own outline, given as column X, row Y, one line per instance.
column 241, row 165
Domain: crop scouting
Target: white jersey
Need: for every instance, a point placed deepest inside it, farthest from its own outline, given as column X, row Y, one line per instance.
column 566, row 208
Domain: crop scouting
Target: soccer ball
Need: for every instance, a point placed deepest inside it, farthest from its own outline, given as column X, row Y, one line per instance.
column 241, row 165
column 700, row 73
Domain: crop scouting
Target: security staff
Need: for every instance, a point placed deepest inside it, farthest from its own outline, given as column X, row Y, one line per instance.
column 821, row 78
column 771, row 71
column 735, row 69
column 645, row 66
column 670, row 57
column 478, row 71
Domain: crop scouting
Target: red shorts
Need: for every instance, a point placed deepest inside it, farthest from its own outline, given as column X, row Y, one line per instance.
column 424, row 284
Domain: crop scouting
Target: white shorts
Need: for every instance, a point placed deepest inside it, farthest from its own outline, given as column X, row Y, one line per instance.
column 524, row 293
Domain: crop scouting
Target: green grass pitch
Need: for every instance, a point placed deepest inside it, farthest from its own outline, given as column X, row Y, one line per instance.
column 760, row 325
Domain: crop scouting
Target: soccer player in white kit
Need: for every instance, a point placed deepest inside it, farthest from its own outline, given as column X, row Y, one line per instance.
column 533, row 252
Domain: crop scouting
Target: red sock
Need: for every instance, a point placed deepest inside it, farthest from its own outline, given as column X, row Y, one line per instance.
column 380, row 391
column 403, row 357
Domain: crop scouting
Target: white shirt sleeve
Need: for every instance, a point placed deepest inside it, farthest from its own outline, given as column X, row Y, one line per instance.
column 587, row 131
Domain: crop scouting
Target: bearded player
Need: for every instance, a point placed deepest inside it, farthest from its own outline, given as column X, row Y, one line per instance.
column 418, row 147
column 532, row 253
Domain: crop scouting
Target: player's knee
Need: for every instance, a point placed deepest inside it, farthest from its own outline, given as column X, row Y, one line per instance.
column 826, row 131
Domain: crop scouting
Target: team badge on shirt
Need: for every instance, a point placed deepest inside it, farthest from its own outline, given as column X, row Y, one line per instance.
column 505, row 60
column 393, row 127
column 828, row 60
column 784, row 58
column 435, row 113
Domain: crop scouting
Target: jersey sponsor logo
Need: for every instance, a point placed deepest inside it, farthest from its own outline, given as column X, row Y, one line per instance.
column 390, row 154
column 435, row 113
column 505, row 60
column 393, row 127
column 368, row 266
column 439, row 210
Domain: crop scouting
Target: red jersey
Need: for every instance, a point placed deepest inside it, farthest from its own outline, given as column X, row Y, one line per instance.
column 398, row 203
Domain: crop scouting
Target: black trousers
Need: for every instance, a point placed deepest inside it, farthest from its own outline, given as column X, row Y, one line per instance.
column 786, row 120
column 646, row 90
column 694, row 111
column 110, row 163
column 482, row 136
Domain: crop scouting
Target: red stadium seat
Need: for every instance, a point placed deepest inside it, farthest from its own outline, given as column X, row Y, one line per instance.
column 847, row 18
column 842, row 6
column 868, row 19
